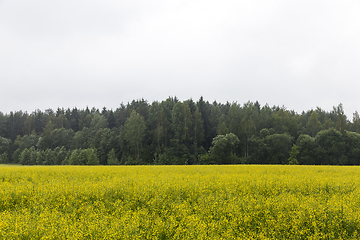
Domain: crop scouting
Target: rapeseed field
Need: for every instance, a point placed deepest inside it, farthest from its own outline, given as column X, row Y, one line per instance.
column 180, row 202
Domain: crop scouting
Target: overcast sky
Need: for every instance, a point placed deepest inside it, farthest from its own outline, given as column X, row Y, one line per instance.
column 300, row 54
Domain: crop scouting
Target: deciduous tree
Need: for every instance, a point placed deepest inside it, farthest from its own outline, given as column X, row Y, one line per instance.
column 134, row 131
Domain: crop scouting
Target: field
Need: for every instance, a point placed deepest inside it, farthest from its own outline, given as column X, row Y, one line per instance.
column 180, row 202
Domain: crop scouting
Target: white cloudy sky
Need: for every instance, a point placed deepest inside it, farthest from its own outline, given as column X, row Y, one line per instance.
column 300, row 54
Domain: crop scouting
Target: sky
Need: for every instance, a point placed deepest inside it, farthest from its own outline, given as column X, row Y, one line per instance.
column 298, row 54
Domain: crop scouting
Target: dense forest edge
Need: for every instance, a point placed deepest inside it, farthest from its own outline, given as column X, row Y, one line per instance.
column 175, row 132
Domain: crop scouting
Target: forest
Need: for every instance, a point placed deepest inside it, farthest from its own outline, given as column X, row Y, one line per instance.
column 180, row 132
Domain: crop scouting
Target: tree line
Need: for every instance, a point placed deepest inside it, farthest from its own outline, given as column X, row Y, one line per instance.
column 180, row 132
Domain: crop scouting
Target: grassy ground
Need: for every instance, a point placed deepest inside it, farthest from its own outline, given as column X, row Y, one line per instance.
column 179, row 202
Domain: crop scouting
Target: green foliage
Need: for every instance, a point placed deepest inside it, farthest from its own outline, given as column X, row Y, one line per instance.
column 84, row 157
column 206, row 159
column 214, row 119
column 234, row 119
column 330, row 147
column 264, row 133
column 341, row 118
column 329, row 124
column 182, row 121
column 26, row 141
column 61, row 137
column 352, row 147
column 313, row 125
column 90, row 156
column 98, row 121
column 81, row 139
column 198, row 125
column 37, row 157
column 135, row 131
column 24, row 157
column 223, row 130
column 4, row 158
column 306, row 146
column 223, row 149
column 293, row 155
column 176, row 132
column 278, row 147
column 112, row 159
column 355, row 125
column 76, row 158
column 4, row 144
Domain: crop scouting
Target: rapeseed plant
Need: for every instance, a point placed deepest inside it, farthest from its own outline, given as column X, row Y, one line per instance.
column 179, row 202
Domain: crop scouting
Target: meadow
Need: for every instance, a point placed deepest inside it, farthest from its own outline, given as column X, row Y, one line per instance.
column 179, row 202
